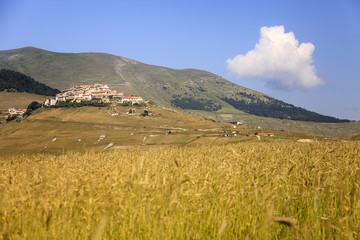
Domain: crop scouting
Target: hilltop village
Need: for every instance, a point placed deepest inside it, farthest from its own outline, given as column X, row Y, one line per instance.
column 99, row 93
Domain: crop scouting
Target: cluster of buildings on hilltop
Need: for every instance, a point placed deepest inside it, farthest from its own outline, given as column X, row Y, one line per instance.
column 96, row 93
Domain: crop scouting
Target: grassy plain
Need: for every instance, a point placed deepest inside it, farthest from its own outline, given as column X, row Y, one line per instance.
column 341, row 130
column 248, row 190
column 81, row 129
column 89, row 128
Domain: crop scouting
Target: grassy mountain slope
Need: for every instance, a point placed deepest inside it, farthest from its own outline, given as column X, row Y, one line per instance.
column 63, row 70
column 186, row 89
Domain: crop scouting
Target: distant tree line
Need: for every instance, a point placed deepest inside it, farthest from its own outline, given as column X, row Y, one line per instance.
column 195, row 104
column 278, row 109
column 12, row 80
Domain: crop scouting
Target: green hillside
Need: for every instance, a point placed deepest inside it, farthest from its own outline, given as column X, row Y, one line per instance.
column 186, row 89
column 15, row 81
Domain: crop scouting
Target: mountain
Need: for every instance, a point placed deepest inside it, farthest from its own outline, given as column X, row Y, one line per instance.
column 190, row 89
column 12, row 80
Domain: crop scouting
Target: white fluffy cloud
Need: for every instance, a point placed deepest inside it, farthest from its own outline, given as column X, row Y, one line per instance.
column 279, row 59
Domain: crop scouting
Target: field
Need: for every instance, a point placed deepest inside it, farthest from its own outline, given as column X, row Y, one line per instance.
column 102, row 173
column 57, row 131
column 249, row 190
column 339, row 130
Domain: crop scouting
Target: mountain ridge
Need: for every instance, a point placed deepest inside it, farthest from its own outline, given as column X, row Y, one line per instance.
column 189, row 89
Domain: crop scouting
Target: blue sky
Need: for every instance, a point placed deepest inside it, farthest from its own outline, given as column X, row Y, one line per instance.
column 202, row 35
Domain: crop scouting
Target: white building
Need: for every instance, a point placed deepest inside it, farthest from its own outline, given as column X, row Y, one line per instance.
column 50, row 102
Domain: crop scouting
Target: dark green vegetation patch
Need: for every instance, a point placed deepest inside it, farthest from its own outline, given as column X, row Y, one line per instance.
column 14, row 81
column 195, row 104
column 277, row 109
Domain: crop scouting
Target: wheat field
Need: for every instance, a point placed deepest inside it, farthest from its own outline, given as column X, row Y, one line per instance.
column 253, row 190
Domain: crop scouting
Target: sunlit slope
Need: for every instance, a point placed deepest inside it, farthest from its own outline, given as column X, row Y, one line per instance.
column 85, row 128
column 54, row 130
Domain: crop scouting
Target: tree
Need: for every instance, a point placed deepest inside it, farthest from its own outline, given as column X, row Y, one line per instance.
column 11, row 117
column 34, row 105
column 31, row 108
